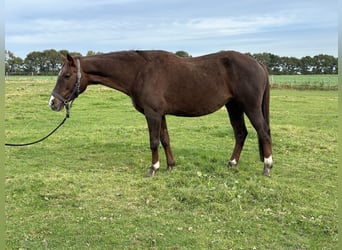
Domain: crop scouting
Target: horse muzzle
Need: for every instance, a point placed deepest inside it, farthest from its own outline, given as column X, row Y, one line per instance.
column 55, row 104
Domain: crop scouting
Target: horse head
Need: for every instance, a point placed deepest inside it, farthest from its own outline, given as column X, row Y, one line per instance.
column 68, row 85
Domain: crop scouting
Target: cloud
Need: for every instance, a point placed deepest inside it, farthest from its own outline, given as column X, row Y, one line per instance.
column 107, row 25
column 236, row 26
column 63, row 31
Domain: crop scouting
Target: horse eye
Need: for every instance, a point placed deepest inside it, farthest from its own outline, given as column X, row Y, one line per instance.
column 67, row 76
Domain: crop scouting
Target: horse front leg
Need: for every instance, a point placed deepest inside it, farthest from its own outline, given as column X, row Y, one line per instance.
column 165, row 140
column 154, row 123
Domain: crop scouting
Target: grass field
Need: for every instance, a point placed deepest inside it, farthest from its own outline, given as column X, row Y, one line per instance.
column 83, row 188
column 305, row 82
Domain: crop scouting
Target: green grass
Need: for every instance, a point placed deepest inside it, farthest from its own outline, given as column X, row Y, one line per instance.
column 83, row 188
column 321, row 82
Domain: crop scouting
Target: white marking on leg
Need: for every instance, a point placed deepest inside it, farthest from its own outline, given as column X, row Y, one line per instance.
column 156, row 166
column 233, row 162
column 268, row 161
column 51, row 100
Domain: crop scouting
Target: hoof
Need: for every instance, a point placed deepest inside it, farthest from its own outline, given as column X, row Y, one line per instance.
column 232, row 163
column 169, row 168
column 266, row 171
column 150, row 173
column 153, row 169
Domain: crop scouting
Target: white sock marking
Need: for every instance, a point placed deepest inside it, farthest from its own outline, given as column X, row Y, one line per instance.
column 156, row 165
column 268, row 161
column 233, row 162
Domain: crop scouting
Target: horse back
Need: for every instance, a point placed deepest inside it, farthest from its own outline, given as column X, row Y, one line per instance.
column 196, row 86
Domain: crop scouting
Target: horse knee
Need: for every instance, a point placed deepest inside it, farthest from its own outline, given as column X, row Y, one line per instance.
column 165, row 142
column 154, row 144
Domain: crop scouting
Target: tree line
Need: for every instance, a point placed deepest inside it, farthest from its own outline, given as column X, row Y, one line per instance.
column 48, row 62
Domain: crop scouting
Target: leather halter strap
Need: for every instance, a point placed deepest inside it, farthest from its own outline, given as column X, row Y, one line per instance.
column 74, row 94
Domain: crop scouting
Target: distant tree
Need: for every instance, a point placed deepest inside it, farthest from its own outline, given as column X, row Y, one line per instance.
column 34, row 62
column 290, row 65
column 74, row 53
column 182, row 53
column 306, row 65
column 52, row 61
column 13, row 64
column 49, row 62
column 324, row 64
column 64, row 52
column 93, row 53
column 271, row 61
column 320, row 64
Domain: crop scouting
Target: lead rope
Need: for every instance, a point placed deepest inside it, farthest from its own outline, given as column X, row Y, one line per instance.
column 67, row 115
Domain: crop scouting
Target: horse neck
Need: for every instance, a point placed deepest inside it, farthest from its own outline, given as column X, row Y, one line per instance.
column 115, row 70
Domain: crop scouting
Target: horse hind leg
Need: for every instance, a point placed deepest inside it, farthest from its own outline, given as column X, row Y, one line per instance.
column 240, row 131
column 265, row 147
column 264, row 139
column 165, row 140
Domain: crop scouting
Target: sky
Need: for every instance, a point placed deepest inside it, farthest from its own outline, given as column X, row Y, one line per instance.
column 287, row 28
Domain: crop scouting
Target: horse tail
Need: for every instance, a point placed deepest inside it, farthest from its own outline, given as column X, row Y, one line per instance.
column 266, row 101
column 265, row 109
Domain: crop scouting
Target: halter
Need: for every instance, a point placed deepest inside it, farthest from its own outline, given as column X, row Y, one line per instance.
column 74, row 94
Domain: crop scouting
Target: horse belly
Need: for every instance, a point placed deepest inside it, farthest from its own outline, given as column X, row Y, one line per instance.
column 196, row 101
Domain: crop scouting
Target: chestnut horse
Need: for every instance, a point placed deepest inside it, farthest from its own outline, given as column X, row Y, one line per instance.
column 161, row 83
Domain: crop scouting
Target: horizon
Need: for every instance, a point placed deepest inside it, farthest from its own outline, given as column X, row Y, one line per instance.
column 103, row 52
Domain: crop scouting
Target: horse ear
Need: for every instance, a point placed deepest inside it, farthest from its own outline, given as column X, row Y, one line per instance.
column 63, row 58
column 71, row 60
